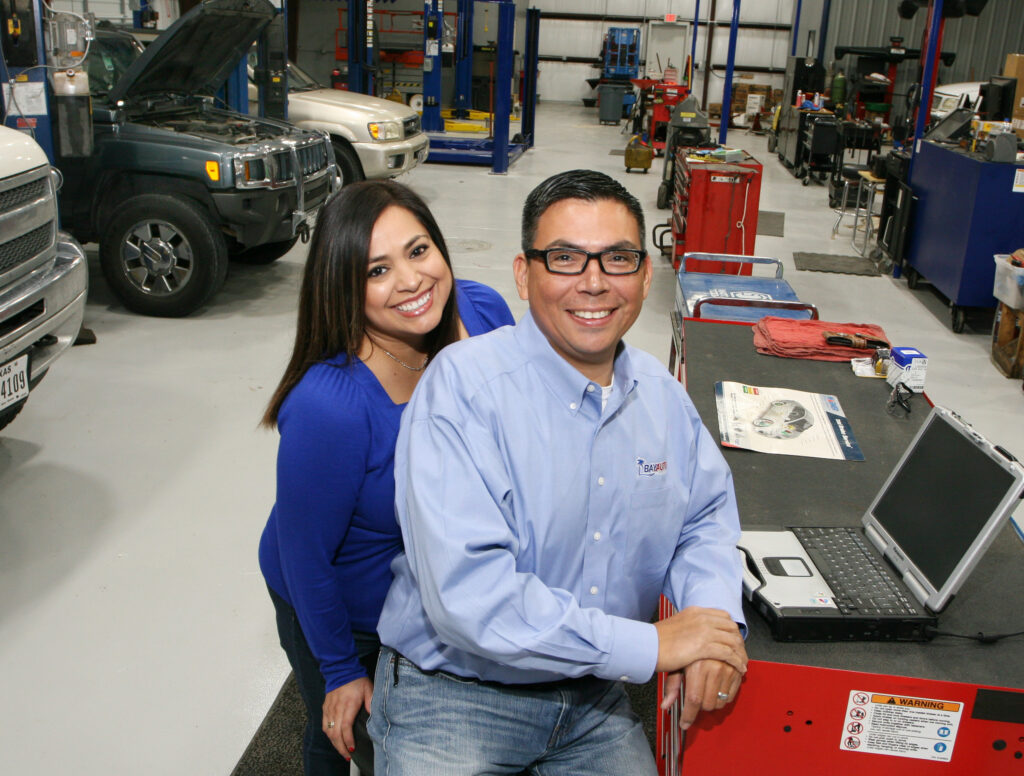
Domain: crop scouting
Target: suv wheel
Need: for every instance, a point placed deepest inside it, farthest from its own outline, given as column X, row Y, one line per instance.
column 163, row 255
column 349, row 167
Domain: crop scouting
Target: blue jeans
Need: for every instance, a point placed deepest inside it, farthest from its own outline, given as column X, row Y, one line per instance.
column 319, row 757
column 439, row 724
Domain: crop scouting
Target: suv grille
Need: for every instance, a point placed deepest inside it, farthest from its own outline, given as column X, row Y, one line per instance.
column 411, row 126
column 20, row 195
column 22, row 249
column 28, row 222
column 311, row 159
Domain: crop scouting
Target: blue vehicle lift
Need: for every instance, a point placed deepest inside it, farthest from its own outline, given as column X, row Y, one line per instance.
column 498, row 152
column 29, row 76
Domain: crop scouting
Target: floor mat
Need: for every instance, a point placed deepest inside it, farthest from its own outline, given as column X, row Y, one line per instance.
column 276, row 749
column 771, row 223
column 826, row 262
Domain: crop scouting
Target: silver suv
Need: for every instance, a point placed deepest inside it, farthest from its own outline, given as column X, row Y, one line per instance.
column 372, row 138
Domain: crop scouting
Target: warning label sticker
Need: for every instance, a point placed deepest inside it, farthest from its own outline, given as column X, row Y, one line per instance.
column 901, row 726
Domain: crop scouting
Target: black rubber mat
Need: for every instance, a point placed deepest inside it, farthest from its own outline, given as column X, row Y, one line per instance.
column 771, row 223
column 826, row 262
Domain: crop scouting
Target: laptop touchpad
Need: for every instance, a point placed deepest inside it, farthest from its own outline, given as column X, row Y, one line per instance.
column 787, row 567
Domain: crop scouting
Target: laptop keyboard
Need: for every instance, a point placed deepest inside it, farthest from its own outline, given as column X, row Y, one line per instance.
column 859, row 581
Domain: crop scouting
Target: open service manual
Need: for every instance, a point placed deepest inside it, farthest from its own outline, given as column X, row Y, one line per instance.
column 784, row 421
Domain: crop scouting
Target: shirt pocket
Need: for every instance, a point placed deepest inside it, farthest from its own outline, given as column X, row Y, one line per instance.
column 654, row 517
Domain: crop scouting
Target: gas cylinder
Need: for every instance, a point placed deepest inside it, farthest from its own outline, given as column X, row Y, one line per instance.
column 839, row 88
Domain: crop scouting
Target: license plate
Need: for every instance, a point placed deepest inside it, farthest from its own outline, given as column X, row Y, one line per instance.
column 13, row 381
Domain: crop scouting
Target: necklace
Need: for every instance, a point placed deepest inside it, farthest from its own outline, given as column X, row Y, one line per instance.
column 393, row 357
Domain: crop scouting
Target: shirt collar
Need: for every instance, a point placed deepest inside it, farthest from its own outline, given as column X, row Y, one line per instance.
column 567, row 383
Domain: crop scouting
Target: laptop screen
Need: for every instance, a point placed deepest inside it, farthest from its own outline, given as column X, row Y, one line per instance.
column 944, row 493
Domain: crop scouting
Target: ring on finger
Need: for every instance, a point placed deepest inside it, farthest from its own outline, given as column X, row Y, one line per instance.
column 723, row 696
column 330, row 723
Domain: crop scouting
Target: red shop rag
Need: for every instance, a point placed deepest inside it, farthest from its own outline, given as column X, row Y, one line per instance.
column 789, row 338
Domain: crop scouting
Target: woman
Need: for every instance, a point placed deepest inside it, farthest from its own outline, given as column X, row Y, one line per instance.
column 378, row 301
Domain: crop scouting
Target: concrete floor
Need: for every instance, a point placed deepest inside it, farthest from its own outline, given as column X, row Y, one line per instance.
column 135, row 629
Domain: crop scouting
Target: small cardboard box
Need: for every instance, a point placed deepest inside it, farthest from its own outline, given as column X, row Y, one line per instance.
column 908, row 366
column 1014, row 68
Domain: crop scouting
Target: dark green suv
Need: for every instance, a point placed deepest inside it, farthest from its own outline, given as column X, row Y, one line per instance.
column 175, row 185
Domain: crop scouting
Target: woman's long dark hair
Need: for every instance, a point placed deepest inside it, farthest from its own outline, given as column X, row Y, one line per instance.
column 331, row 315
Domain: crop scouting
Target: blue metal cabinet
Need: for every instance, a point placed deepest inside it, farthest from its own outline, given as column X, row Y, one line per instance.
column 967, row 211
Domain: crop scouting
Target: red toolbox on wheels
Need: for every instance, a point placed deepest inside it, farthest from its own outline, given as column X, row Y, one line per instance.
column 714, row 210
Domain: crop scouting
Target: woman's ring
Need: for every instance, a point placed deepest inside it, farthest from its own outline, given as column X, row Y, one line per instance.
column 331, row 724
column 723, row 696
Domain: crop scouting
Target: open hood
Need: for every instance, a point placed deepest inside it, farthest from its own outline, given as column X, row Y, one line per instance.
column 196, row 54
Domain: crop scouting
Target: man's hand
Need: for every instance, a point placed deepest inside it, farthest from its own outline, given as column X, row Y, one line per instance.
column 341, row 705
column 697, row 633
column 706, row 682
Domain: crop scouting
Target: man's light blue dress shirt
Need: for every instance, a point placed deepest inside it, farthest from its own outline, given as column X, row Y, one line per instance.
column 539, row 530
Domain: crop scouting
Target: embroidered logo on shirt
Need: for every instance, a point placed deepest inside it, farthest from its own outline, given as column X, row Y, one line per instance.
column 647, row 469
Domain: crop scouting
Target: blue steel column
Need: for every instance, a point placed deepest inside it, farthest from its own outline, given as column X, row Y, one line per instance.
column 723, row 129
column 464, row 59
column 503, row 84
column 796, row 27
column 530, row 58
column 137, row 15
column 930, row 58
column 823, row 32
column 357, row 76
column 237, row 88
column 432, row 121
column 693, row 45
column 38, row 125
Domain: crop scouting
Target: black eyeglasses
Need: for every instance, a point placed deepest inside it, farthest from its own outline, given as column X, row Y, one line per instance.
column 572, row 261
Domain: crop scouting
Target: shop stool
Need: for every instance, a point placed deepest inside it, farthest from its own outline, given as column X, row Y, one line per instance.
column 851, row 178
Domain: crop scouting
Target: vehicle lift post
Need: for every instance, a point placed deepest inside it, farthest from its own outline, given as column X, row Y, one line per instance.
column 498, row 152
column 723, row 128
column 26, row 65
column 360, row 50
column 433, row 32
column 464, row 59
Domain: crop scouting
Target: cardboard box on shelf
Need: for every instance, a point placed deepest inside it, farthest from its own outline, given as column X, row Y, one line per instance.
column 1014, row 68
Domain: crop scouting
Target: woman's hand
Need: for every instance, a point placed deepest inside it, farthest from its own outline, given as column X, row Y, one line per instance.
column 341, row 705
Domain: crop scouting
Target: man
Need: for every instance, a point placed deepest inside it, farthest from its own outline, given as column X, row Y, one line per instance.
column 551, row 482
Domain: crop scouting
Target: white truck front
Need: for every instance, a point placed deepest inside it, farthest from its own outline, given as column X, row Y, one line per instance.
column 43, row 274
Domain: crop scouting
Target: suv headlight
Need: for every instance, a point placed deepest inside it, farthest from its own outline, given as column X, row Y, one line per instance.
column 385, row 130
column 252, row 171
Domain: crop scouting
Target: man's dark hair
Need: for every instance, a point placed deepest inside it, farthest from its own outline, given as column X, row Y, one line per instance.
column 576, row 184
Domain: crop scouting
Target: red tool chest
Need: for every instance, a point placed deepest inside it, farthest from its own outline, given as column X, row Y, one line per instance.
column 714, row 210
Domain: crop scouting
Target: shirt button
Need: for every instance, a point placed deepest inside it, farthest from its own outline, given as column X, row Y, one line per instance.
column 590, row 388
column 597, row 536
column 593, row 590
column 572, row 406
column 600, row 480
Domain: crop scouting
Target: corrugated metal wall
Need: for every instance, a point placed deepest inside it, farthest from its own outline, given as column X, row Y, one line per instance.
column 981, row 43
column 565, row 81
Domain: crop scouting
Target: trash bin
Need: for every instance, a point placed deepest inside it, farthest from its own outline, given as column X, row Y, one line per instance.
column 609, row 107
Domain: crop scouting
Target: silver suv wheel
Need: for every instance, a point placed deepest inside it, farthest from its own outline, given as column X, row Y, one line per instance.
column 156, row 257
